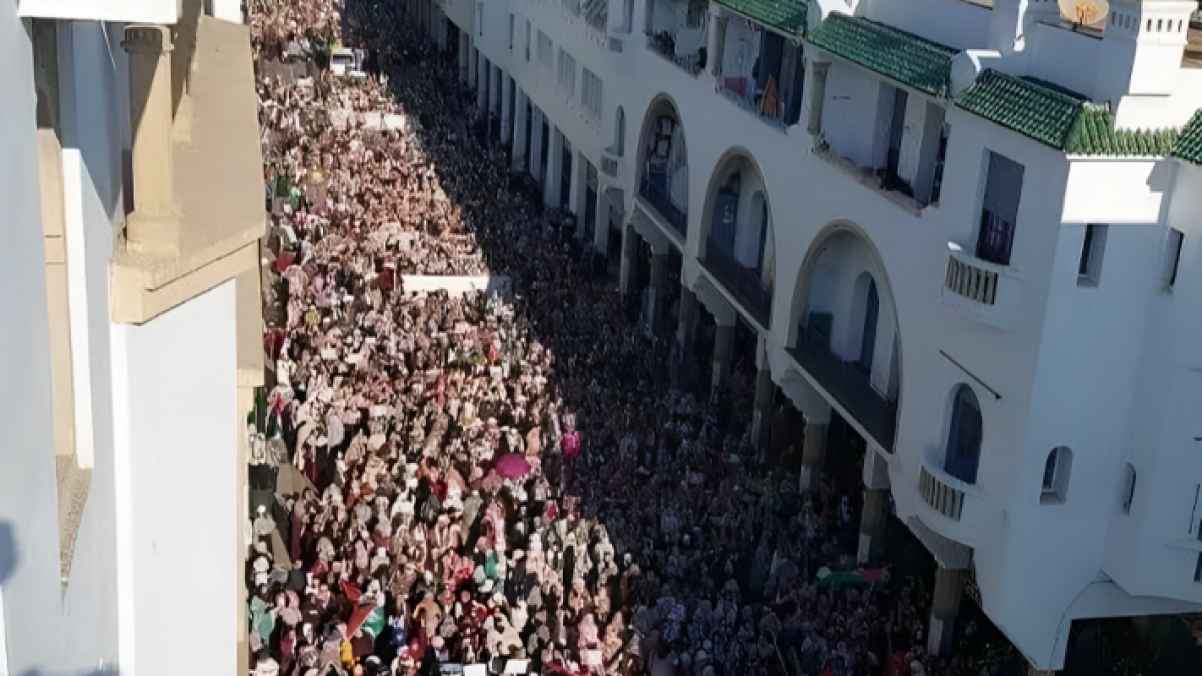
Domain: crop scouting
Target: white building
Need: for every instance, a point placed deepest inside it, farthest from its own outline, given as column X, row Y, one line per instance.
column 131, row 185
column 969, row 229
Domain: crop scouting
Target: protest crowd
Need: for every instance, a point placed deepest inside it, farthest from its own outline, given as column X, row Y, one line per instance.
column 503, row 479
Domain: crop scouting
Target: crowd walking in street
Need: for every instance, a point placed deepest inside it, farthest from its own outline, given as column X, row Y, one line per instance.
column 507, row 480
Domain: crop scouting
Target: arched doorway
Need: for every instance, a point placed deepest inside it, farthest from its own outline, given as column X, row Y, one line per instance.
column 844, row 328
column 664, row 164
column 964, row 436
column 739, row 247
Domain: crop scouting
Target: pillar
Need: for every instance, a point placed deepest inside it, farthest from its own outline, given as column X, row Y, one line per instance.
column 715, row 40
column 816, row 84
column 872, row 525
column 153, row 226
column 520, row 139
column 481, row 81
column 552, row 186
column 761, row 416
column 536, row 146
column 949, row 587
column 506, row 103
column 724, row 345
column 813, row 452
column 473, row 60
column 464, row 53
column 576, row 190
column 630, row 244
column 657, row 290
column 601, row 232
column 494, row 90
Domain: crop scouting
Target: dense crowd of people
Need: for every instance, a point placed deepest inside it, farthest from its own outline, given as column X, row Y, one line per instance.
column 475, row 478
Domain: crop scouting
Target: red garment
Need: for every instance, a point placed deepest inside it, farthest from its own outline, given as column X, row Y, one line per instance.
column 571, row 444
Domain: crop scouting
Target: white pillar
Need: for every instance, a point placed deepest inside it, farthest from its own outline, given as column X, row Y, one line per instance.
column 552, row 186
column 506, row 103
column 630, row 244
column 658, row 290
column 473, row 60
column 601, row 231
column 481, row 81
column 945, row 606
column 714, row 41
column 536, row 146
column 520, row 139
column 761, row 415
column 494, row 90
column 872, row 524
column 813, row 453
column 724, row 345
column 576, row 190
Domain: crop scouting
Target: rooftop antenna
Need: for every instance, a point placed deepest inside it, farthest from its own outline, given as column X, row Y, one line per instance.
column 1084, row 12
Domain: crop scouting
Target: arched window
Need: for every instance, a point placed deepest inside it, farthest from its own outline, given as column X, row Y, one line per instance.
column 1056, row 469
column 1129, row 476
column 619, row 144
column 964, row 436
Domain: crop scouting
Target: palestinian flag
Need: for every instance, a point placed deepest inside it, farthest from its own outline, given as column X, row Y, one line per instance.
column 369, row 617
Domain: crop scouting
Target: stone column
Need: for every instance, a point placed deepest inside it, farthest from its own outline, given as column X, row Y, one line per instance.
column 576, row 190
column 473, row 60
column 724, row 345
column 481, row 81
column 761, row 416
column 506, row 103
column 494, row 90
column 536, row 146
column 715, row 41
column 945, row 606
column 520, row 139
column 601, row 232
column 872, row 525
column 464, row 54
column 552, row 186
column 154, row 224
column 816, row 86
column 657, row 291
column 813, row 452
column 630, row 247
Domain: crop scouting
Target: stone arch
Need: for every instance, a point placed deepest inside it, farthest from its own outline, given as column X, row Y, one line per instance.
column 738, row 237
column 826, row 284
column 663, row 167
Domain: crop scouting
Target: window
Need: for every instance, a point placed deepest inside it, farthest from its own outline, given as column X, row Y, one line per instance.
column 964, row 436
column 1089, row 271
column 527, row 40
column 1129, row 477
column 1172, row 256
column 591, row 94
column 999, row 210
column 567, row 74
column 512, row 23
column 1056, row 470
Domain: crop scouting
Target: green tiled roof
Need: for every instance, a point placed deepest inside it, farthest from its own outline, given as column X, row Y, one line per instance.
column 786, row 16
column 1094, row 134
column 1022, row 105
column 1189, row 145
column 904, row 57
column 1059, row 118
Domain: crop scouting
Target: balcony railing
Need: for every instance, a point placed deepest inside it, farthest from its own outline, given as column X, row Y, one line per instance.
column 985, row 291
column 972, row 282
column 940, row 496
column 849, row 384
column 596, row 14
column 657, row 196
column 744, row 283
column 664, row 44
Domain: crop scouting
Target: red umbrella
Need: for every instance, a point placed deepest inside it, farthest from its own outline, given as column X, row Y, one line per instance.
column 512, row 466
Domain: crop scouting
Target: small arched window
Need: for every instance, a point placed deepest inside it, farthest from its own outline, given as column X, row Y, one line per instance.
column 964, row 436
column 1129, row 476
column 1056, row 470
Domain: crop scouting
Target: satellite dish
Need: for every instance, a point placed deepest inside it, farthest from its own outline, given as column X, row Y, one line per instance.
column 1084, row 12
